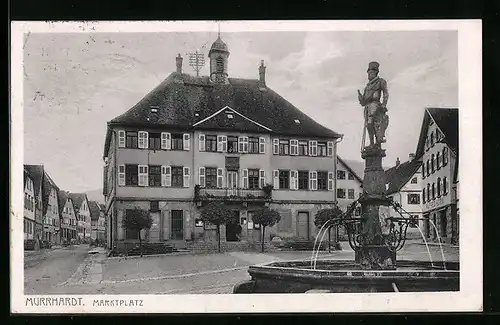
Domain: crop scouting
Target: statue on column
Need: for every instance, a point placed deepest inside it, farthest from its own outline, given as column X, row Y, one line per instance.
column 376, row 119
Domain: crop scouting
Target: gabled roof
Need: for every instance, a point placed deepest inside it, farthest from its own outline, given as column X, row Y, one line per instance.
column 350, row 169
column 41, row 177
column 94, row 210
column 78, row 199
column 182, row 100
column 399, row 175
column 446, row 120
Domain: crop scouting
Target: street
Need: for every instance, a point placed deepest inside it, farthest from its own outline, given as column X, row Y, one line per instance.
column 75, row 271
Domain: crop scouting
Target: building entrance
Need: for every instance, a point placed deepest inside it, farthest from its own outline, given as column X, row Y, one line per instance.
column 233, row 227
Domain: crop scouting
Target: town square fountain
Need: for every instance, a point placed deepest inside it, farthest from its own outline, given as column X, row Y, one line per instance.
column 375, row 238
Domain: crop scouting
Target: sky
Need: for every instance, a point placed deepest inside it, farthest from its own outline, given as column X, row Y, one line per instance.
column 74, row 83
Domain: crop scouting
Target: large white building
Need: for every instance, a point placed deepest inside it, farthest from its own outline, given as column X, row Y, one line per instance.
column 437, row 150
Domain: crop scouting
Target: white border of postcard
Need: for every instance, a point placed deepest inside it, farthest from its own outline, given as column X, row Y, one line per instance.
column 469, row 298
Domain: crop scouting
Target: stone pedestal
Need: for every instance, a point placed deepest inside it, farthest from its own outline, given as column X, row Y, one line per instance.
column 373, row 254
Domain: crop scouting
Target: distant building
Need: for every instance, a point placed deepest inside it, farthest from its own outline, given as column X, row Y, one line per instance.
column 438, row 151
column 404, row 186
column 68, row 217
column 48, row 197
column 349, row 185
column 29, row 206
column 81, row 204
column 97, row 221
column 193, row 140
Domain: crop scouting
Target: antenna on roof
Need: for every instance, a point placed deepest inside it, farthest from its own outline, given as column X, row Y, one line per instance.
column 218, row 30
column 196, row 61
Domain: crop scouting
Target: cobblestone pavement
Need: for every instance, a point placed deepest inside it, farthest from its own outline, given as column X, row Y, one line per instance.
column 214, row 273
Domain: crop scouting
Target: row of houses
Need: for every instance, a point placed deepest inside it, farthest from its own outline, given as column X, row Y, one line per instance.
column 56, row 216
column 427, row 185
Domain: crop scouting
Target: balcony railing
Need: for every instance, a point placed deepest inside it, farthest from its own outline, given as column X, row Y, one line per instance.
column 232, row 194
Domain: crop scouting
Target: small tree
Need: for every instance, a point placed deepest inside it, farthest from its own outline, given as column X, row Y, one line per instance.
column 265, row 217
column 215, row 213
column 137, row 220
column 324, row 215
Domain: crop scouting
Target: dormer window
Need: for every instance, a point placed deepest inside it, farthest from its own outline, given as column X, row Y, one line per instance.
column 296, row 121
column 230, row 115
column 154, row 109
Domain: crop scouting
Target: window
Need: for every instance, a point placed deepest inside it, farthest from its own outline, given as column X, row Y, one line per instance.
column 433, row 191
column 341, row 193
column 211, row 143
column 427, row 144
column 438, row 160
column 350, row 194
column 303, row 146
column 131, row 175
column 177, row 177
column 432, row 139
column 131, row 139
column 445, row 185
column 423, row 195
column 155, row 141
column 432, row 163
column 414, row 180
column 428, row 192
column 340, row 174
column 428, row 167
column 211, row 177
column 322, row 152
column 350, row 176
column 413, row 198
column 284, row 147
column 445, row 156
column 284, row 179
column 154, row 205
column 219, row 65
column 177, row 140
column 253, row 145
column 232, row 144
column 322, row 181
column 423, row 170
column 303, row 180
column 253, row 178
column 154, row 175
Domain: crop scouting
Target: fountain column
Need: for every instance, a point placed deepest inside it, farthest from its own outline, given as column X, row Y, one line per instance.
column 373, row 252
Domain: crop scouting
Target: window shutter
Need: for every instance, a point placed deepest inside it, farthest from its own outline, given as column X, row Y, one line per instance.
column 276, row 179
column 186, row 141
column 202, row 142
column 121, row 175
column 165, row 141
column 240, row 144
column 220, row 177
column 262, row 145
column 330, row 181
column 168, row 176
column 201, row 177
column 330, row 148
column 186, row 177
column 276, row 146
column 294, row 147
column 143, row 139
column 314, row 184
column 143, row 175
column 262, row 178
column 245, row 178
column 163, row 176
column 121, row 138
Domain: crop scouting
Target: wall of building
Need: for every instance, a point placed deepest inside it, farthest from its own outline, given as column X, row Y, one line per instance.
column 29, row 209
column 68, row 226
column 85, row 230
column 347, row 184
column 51, row 218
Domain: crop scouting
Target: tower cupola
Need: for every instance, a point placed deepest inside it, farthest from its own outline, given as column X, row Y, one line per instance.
column 218, row 56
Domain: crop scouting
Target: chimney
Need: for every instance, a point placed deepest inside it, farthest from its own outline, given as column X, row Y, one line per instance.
column 178, row 63
column 411, row 156
column 397, row 162
column 262, row 74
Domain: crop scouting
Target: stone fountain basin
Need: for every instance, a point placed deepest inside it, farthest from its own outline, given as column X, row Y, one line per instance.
column 337, row 276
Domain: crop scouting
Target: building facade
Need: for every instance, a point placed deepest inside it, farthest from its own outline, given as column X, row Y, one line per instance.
column 97, row 221
column 83, row 226
column 29, row 206
column 68, row 219
column 47, row 205
column 438, row 151
column 193, row 140
column 404, row 186
column 349, row 185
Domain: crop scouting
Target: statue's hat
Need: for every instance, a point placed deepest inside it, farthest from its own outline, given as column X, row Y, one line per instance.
column 373, row 66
